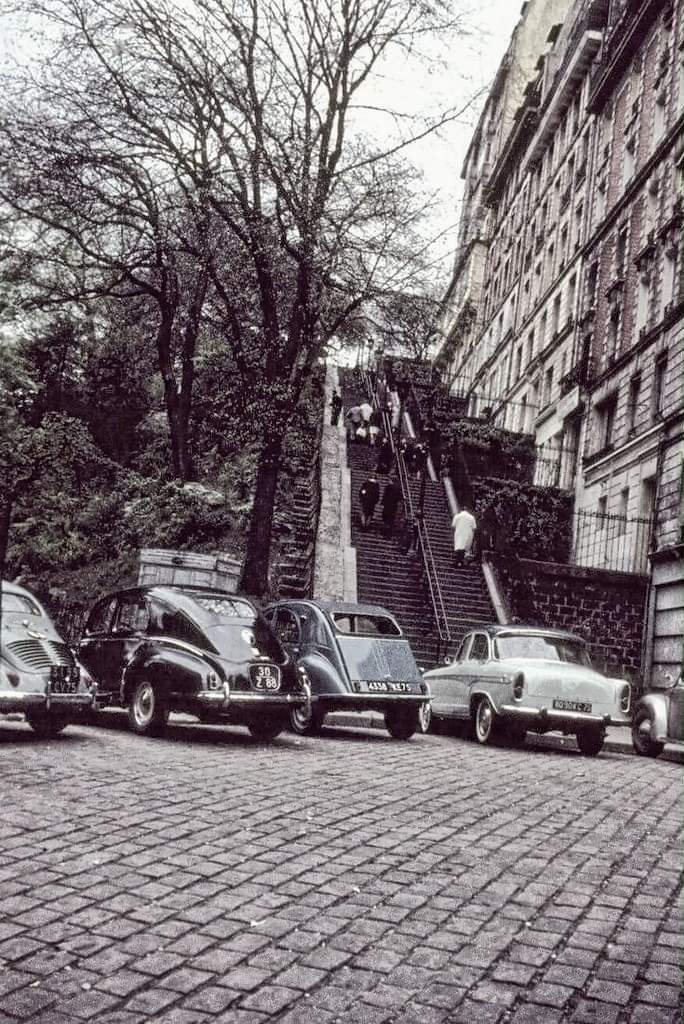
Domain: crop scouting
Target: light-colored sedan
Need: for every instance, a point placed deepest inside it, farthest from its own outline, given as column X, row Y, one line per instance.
column 509, row 680
column 39, row 675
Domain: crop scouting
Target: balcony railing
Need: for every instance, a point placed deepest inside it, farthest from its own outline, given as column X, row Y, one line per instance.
column 618, row 543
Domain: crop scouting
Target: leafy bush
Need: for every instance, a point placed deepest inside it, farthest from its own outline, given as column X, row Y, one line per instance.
column 531, row 522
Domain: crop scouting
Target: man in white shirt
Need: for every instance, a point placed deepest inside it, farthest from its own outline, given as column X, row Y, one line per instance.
column 464, row 526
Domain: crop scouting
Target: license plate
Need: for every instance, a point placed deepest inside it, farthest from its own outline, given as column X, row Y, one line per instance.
column 572, row 705
column 64, row 679
column 265, row 678
column 380, row 686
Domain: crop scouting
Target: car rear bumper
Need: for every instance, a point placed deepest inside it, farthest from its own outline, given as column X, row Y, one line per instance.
column 367, row 701
column 49, row 701
column 550, row 718
column 222, row 701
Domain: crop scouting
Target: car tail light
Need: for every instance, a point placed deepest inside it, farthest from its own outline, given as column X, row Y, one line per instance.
column 518, row 686
column 625, row 697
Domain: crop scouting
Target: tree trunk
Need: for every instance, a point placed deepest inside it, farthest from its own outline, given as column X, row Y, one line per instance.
column 177, row 411
column 5, row 521
column 255, row 570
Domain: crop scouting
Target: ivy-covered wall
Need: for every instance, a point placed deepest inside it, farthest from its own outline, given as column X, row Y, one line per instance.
column 606, row 608
column 524, row 520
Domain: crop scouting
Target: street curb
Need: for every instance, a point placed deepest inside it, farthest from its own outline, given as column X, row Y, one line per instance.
column 672, row 752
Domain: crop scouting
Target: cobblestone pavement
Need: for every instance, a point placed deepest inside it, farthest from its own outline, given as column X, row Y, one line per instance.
column 346, row 878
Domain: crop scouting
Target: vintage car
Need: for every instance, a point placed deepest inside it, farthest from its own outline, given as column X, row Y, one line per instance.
column 197, row 650
column 508, row 680
column 356, row 659
column 39, row 674
column 659, row 718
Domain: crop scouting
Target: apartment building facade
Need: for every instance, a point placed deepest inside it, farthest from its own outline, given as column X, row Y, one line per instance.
column 577, row 333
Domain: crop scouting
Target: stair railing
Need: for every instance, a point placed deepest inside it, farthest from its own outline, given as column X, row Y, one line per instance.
column 427, row 554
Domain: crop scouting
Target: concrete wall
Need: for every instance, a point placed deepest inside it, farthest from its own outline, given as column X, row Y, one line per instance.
column 605, row 608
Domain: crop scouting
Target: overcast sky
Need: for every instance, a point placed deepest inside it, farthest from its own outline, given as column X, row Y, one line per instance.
column 469, row 68
column 472, row 66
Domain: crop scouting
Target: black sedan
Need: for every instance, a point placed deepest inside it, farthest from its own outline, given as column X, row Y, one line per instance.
column 195, row 650
column 356, row 659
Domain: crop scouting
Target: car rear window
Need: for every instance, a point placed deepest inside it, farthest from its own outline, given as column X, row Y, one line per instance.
column 365, row 625
column 226, row 607
column 550, row 648
column 19, row 603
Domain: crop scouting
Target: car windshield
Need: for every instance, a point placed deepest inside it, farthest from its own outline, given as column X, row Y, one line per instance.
column 549, row 648
column 226, row 607
column 19, row 604
column 366, row 625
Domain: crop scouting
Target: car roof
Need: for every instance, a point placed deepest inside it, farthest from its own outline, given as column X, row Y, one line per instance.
column 181, row 594
column 14, row 588
column 515, row 630
column 337, row 607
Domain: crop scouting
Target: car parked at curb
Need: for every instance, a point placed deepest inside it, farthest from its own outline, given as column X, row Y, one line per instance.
column 356, row 659
column 659, row 718
column 191, row 649
column 507, row 681
column 39, row 675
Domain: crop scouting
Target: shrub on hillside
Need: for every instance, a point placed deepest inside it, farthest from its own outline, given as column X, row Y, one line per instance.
column 531, row 522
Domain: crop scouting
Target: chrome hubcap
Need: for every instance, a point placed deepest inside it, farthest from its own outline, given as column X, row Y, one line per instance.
column 143, row 707
column 302, row 715
column 484, row 718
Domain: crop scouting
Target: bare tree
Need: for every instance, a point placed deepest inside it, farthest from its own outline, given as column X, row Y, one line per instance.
column 232, row 134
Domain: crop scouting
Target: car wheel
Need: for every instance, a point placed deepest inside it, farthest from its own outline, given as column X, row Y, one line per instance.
column 642, row 730
column 147, row 711
column 306, row 720
column 484, row 723
column 46, row 726
column 401, row 723
column 590, row 741
column 264, row 730
column 425, row 717
column 515, row 734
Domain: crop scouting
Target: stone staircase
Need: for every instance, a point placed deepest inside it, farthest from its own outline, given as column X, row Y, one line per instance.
column 398, row 582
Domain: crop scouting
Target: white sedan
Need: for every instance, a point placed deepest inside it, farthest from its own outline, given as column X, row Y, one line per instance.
column 509, row 680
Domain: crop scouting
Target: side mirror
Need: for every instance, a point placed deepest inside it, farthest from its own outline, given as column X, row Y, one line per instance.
column 448, row 659
column 421, row 669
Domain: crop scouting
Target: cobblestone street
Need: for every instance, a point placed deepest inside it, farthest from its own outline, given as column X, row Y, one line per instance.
column 202, row 877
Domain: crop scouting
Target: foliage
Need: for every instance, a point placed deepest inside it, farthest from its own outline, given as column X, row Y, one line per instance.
column 490, row 451
column 205, row 159
column 531, row 522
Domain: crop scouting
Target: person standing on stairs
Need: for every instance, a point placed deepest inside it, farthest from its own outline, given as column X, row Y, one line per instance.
column 366, row 413
column 354, row 420
column 335, row 408
column 390, row 503
column 385, row 455
column 369, row 492
column 374, row 427
column 464, row 527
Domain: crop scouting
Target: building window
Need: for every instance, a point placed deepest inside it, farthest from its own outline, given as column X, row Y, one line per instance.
column 659, row 114
column 659, row 387
column 579, row 213
column 592, row 284
column 602, row 510
column 623, row 505
column 633, row 402
column 542, row 332
column 669, row 289
column 548, row 385
column 614, row 332
column 572, row 291
column 629, row 160
column 606, row 421
column 621, row 252
column 555, row 315
column 530, row 348
column 518, row 363
column 643, row 301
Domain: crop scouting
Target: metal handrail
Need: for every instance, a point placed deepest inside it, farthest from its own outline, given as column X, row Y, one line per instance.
column 427, row 554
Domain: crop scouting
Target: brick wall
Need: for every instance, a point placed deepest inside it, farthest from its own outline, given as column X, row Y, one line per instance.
column 605, row 608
